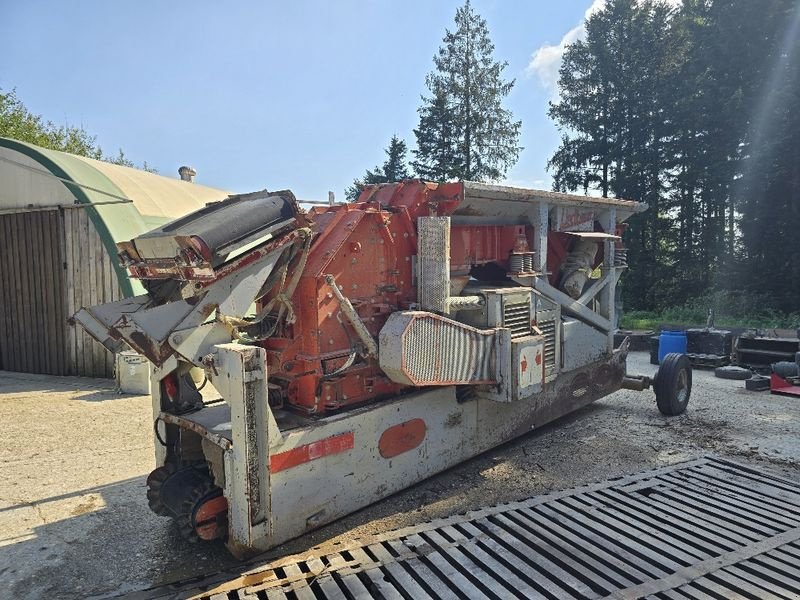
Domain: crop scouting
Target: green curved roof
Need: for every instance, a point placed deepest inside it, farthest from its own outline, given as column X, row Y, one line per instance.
column 154, row 199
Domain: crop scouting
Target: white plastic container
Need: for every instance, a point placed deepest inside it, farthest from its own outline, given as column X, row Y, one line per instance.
column 133, row 373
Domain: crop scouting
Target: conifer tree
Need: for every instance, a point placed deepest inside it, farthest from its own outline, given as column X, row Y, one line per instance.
column 464, row 131
column 393, row 169
column 693, row 110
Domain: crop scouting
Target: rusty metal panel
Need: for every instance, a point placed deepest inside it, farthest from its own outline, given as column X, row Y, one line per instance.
column 380, row 448
column 253, row 430
column 158, row 332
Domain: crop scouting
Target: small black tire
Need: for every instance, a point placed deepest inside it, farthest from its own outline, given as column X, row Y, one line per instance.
column 155, row 480
column 757, row 383
column 734, row 373
column 673, row 384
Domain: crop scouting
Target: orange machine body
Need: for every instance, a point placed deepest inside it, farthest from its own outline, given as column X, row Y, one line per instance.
column 369, row 247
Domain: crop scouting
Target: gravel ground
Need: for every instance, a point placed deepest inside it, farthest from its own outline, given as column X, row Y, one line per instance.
column 74, row 521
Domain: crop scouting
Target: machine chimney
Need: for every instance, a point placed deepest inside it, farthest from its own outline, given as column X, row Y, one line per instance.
column 187, row 174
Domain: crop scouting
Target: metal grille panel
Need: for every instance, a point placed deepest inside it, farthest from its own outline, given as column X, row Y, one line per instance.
column 420, row 348
column 708, row 528
column 462, row 354
column 517, row 318
column 548, row 329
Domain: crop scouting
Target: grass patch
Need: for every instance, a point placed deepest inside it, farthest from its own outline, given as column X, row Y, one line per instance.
column 731, row 309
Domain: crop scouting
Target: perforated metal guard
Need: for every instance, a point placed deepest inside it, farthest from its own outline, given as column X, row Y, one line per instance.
column 433, row 263
column 463, row 355
column 704, row 529
column 547, row 315
column 420, row 348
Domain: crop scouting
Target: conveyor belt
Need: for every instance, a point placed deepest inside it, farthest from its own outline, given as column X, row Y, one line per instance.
column 705, row 529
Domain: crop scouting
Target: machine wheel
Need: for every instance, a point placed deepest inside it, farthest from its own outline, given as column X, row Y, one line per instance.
column 673, row 384
column 154, row 483
column 205, row 494
column 188, row 495
column 185, row 518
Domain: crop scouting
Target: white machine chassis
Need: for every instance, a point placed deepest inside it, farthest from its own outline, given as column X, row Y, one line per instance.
column 281, row 484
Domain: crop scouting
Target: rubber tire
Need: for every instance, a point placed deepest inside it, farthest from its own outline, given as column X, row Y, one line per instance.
column 734, row 373
column 757, row 383
column 673, row 376
column 154, row 482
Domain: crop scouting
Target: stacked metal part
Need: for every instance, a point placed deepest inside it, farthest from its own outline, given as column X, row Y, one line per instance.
column 528, row 262
column 516, row 263
column 520, row 262
column 620, row 257
column 521, row 258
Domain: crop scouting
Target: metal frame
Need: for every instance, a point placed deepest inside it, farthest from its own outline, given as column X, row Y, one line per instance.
column 279, row 484
column 604, row 288
column 283, row 474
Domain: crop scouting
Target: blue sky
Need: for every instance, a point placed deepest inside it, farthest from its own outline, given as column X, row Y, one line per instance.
column 301, row 95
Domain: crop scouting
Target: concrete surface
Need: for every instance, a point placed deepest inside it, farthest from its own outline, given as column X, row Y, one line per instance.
column 74, row 521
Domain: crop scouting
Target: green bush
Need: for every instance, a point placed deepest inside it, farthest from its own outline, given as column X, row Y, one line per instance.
column 731, row 309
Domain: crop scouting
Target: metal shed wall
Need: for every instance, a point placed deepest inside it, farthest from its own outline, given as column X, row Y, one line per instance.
column 52, row 262
column 90, row 278
column 31, row 272
column 60, row 216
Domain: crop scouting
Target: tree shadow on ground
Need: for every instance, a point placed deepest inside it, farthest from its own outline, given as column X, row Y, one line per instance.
column 108, row 543
column 12, row 383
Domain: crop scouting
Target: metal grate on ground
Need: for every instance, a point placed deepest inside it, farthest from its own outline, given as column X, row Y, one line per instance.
column 705, row 529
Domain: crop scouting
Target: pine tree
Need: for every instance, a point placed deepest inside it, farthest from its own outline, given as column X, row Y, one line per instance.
column 464, row 132
column 612, row 115
column 767, row 191
column 393, row 169
column 694, row 111
column 436, row 156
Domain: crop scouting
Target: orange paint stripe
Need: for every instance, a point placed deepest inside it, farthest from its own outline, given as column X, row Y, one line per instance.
column 308, row 452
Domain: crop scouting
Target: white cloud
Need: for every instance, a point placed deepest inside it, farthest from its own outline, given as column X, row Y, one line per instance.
column 546, row 60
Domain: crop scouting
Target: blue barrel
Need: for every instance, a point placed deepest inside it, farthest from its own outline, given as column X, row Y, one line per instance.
column 671, row 341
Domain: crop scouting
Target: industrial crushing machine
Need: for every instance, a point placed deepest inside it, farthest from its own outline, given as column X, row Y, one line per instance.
column 358, row 348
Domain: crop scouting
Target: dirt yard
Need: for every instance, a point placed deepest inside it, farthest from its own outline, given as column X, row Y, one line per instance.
column 74, row 521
